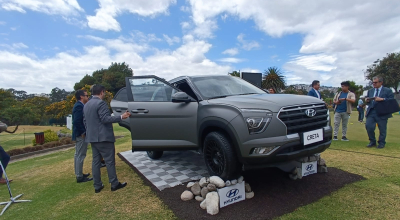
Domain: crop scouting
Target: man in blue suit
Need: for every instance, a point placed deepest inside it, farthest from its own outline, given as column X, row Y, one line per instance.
column 314, row 91
column 375, row 95
column 78, row 135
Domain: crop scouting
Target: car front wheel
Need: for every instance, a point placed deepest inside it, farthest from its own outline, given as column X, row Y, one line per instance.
column 219, row 156
column 155, row 154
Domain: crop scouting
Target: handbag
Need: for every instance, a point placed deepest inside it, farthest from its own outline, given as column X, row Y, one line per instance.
column 386, row 107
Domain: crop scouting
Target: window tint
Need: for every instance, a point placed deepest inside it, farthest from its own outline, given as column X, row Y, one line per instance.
column 121, row 95
column 184, row 87
column 151, row 90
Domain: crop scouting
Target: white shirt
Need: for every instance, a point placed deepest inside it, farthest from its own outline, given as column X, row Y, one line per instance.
column 316, row 91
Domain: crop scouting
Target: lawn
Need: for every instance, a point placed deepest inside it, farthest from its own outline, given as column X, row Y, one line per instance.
column 23, row 136
column 49, row 181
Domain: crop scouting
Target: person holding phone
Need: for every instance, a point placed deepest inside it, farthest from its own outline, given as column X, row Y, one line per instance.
column 375, row 95
column 343, row 101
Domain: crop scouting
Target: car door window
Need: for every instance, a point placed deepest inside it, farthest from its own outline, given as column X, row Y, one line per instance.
column 151, row 90
column 121, row 95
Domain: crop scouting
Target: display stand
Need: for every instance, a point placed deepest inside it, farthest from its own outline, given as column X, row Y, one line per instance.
column 12, row 199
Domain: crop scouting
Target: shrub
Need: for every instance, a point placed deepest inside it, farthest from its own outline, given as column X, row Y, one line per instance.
column 49, row 136
column 66, row 140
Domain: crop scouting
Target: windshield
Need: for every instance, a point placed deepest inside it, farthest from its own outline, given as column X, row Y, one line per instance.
column 222, row 86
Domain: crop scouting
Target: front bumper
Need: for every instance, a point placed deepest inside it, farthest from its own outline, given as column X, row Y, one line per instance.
column 291, row 148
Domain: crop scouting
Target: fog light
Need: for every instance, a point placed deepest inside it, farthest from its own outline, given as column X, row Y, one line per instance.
column 264, row 150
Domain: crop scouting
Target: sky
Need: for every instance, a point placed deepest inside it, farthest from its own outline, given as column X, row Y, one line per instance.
column 54, row 43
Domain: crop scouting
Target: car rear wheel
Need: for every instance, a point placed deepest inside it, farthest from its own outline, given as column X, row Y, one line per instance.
column 219, row 156
column 155, row 154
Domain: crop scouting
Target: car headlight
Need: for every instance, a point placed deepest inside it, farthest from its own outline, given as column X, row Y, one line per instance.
column 257, row 120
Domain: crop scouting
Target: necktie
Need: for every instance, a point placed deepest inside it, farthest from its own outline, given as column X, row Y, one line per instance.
column 376, row 93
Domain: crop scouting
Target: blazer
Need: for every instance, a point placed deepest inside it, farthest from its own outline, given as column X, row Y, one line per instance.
column 78, row 128
column 313, row 93
column 385, row 93
column 98, row 121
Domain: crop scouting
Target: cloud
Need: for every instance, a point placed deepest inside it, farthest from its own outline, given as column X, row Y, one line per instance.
column 55, row 7
column 19, row 46
column 171, row 40
column 185, row 8
column 14, row 46
column 21, row 71
column 185, row 25
column 247, row 45
column 104, row 19
column 231, row 51
column 2, row 22
column 224, row 16
column 330, row 28
column 318, row 62
column 231, row 60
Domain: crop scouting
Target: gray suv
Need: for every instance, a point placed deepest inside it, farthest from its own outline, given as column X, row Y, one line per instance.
column 235, row 125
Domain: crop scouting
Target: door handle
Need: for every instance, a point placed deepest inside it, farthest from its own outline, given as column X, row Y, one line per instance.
column 140, row 111
column 118, row 110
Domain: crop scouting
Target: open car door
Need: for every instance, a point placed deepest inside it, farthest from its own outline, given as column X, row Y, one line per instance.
column 156, row 122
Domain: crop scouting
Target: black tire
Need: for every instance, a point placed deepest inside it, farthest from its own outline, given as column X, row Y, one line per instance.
column 155, row 154
column 220, row 157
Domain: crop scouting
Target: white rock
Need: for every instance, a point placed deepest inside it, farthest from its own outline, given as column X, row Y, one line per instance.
column 247, row 187
column 187, row 195
column 249, row 195
column 190, row 184
column 204, row 192
column 228, row 183
column 203, row 204
column 240, row 180
column 299, row 173
column 199, row 198
column 196, row 189
column 212, row 201
column 211, row 187
column 217, row 181
column 234, row 182
column 321, row 162
column 203, row 182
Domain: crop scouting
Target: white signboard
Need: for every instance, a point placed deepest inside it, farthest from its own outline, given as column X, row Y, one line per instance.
column 231, row 194
column 309, row 168
column 313, row 136
column 69, row 122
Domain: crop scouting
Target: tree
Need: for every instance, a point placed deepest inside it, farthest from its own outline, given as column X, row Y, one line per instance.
column 273, row 78
column 58, row 95
column 327, row 94
column 112, row 78
column 388, row 68
column 38, row 106
column 235, row 73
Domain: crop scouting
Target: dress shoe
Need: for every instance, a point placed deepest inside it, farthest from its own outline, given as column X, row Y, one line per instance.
column 380, row 146
column 83, row 180
column 4, row 181
column 86, row 175
column 99, row 190
column 371, row 144
column 119, row 186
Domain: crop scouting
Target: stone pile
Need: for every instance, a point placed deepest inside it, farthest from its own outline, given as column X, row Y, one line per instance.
column 321, row 166
column 61, row 135
column 205, row 192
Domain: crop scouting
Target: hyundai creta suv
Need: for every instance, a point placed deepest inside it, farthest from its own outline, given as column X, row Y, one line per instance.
column 235, row 125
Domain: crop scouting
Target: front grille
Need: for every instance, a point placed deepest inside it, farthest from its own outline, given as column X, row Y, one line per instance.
column 297, row 121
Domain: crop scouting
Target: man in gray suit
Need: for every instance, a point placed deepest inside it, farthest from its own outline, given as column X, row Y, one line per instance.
column 375, row 95
column 100, row 133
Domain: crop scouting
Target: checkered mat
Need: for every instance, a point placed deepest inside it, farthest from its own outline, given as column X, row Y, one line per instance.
column 172, row 169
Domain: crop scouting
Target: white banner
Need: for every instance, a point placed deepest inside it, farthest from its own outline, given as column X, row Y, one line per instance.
column 231, row 194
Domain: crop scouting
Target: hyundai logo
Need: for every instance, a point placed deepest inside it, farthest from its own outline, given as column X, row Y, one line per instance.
column 232, row 193
column 309, row 167
column 310, row 112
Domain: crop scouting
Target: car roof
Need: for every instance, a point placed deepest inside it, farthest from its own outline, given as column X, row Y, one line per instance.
column 195, row 76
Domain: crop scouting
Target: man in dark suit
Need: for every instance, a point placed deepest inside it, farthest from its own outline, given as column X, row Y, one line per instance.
column 78, row 135
column 314, row 90
column 375, row 95
column 99, row 132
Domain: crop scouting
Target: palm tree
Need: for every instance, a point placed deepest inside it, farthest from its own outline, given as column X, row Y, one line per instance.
column 273, row 78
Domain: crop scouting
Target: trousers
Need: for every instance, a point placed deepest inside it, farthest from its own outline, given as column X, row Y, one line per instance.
column 80, row 155
column 370, row 125
column 341, row 117
column 107, row 151
column 4, row 158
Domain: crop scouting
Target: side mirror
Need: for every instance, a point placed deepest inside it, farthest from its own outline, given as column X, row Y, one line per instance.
column 181, row 97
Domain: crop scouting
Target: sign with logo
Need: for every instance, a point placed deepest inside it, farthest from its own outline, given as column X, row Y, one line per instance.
column 310, row 112
column 313, row 137
column 309, row 168
column 231, row 194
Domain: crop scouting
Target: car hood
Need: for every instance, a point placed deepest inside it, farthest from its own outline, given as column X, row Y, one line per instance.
column 273, row 102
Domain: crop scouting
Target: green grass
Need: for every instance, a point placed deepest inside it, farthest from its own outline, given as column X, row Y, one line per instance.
column 49, row 181
column 23, row 136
